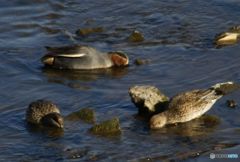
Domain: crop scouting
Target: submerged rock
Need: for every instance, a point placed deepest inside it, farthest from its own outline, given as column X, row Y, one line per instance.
column 107, row 128
column 139, row 61
column 85, row 114
column 87, row 31
column 231, row 103
column 149, row 99
column 136, row 36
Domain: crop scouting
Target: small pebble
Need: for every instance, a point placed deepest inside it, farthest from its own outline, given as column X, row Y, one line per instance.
column 231, row 103
column 136, row 36
column 141, row 61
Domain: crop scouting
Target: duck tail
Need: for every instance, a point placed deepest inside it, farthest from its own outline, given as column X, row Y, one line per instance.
column 225, row 88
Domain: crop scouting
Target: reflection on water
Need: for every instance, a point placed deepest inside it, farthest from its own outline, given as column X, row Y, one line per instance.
column 74, row 78
column 50, row 132
column 178, row 39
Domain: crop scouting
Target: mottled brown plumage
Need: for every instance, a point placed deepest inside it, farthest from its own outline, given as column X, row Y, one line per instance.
column 45, row 113
column 188, row 105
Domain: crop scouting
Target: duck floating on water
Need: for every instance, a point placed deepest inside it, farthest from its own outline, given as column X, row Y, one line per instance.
column 227, row 38
column 44, row 113
column 189, row 105
column 82, row 58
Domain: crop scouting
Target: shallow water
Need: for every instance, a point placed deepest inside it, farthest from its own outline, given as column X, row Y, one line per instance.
column 178, row 41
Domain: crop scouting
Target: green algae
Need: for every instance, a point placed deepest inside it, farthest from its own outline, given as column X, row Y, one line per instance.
column 86, row 114
column 88, row 31
column 107, row 128
column 136, row 36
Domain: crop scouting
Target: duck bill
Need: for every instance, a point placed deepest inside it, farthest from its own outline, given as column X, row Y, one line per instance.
column 55, row 124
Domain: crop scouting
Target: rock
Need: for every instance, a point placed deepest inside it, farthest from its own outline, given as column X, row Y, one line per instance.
column 107, row 128
column 231, row 103
column 136, row 36
column 149, row 99
column 139, row 61
column 87, row 31
column 85, row 114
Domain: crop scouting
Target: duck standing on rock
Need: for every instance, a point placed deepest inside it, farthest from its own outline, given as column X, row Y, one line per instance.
column 44, row 113
column 82, row 58
column 189, row 105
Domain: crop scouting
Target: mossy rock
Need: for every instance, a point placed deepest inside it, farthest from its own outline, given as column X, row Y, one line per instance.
column 85, row 114
column 88, row 31
column 107, row 128
column 136, row 36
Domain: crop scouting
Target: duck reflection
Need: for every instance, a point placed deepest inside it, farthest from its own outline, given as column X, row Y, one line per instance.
column 50, row 132
column 78, row 78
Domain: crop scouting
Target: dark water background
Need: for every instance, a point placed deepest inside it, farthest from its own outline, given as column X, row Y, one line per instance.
column 178, row 41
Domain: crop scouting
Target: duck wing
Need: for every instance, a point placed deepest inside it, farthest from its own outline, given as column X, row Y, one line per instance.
column 191, row 101
column 66, row 51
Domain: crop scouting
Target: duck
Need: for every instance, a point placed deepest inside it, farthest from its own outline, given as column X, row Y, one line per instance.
column 189, row 105
column 229, row 37
column 44, row 113
column 81, row 57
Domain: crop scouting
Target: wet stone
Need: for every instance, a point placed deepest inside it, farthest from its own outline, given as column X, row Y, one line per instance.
column 139, row 61
column 86, row 114
column 231, row 103
column 149, row 99
column 136, row 36
column 88, row 31
column 107, row 128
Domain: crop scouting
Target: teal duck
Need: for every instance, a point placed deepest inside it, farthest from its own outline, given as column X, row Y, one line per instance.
column 189, row 105
column 44, row 113
column 82, row 58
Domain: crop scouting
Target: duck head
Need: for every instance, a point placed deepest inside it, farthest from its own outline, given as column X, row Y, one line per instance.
column 54, row 120
column 118, row 58
column 158, row 121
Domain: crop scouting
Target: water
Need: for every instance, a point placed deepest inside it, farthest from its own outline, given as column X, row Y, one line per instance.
column 178, row 41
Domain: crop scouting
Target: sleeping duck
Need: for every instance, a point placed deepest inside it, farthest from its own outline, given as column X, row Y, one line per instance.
column 82, row 58
column 44, row 113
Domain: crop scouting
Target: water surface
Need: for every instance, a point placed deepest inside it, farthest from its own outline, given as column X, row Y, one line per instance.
column 178, row 41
